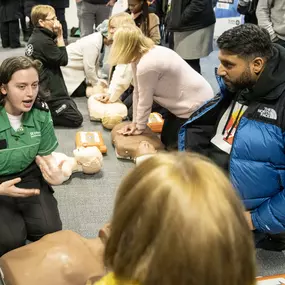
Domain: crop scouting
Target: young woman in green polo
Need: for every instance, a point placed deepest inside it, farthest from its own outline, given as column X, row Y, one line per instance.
column 28, row 209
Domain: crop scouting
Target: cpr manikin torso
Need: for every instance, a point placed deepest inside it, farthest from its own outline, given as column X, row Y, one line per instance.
column 63, row 258
column 128, row 146
column 109, row 113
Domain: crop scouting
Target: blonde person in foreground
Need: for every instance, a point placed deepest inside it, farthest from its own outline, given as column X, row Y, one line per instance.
column 178, row 221
column 159, row 75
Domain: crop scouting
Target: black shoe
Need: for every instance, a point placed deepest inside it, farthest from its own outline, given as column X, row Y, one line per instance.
column 18, row 46
column 272, row 242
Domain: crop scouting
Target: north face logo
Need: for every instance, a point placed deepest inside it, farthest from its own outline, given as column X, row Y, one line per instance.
column 267, row 113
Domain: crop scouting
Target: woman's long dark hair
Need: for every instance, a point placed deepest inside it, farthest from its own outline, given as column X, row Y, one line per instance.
column 13, row 64
column 145, row 16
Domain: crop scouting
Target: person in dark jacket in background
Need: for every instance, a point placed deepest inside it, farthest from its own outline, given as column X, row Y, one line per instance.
column 248, row 9
column 28, row 6
column 47, row 45
column 60, row 6
column 94, row 12
column 10, row 13
column 192, row 22
column 242, row 129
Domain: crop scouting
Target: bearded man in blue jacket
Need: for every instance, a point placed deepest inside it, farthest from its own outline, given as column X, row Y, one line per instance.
column 243, row 128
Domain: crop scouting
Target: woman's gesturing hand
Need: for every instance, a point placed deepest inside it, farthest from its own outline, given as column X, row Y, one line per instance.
column 8, row 188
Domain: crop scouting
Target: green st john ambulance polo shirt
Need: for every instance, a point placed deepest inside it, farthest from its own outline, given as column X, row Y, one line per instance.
column 18, row 149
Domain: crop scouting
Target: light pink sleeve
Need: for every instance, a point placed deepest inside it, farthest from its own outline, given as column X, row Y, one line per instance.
column 135, row 92
column 147, row 83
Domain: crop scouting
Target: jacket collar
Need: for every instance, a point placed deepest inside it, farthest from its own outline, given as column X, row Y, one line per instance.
column 46, row 32
column 28, row 119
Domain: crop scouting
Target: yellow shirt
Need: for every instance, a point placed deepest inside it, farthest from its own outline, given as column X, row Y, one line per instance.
column 110, row 279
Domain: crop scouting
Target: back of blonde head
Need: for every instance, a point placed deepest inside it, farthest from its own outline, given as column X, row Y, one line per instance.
column 177, row 220
column 129, row 45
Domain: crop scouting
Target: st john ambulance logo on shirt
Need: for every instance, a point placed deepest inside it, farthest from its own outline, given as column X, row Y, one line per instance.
column 268, row 113
column 29, row 50
column 35, row 134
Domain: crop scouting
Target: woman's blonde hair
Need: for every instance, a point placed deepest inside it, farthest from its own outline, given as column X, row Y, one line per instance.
column 177, row 220
column 119, row 20
column 129, row 45
column 40, row 12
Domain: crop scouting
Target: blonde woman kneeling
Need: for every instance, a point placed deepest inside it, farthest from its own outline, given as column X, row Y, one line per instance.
column 159, row 75
column 178, row 221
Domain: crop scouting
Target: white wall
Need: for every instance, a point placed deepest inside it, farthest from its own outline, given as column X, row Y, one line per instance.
column 71, row 15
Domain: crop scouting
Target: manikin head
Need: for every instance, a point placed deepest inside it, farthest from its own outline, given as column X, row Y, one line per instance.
column 109, row 122
column 90, row 158
column 244, row 52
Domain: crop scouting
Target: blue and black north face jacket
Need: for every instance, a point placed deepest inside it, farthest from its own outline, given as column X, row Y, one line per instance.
column 257, row 160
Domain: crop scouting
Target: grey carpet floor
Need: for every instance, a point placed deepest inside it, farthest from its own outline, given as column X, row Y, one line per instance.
column 85, row 202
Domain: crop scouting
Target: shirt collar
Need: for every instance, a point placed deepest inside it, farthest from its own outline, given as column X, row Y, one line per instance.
column 5, row 123
column 47, row 32
column 28, row 119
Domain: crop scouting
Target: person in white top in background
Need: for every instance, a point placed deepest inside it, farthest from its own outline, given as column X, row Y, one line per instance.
column 83, row 61
column 121, row 75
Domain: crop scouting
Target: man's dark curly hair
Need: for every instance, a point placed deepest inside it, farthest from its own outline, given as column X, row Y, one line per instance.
column 247, row 41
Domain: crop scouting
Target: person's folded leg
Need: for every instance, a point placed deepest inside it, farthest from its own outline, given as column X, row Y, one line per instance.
column 170, row 130
column 270, row 242
column 40, row 213
column 12, row 226
column 80, row 91
column 65, row 113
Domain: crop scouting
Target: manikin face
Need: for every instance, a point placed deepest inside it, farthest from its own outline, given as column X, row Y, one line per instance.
column 49, row 22
column 21, row 91
column 239, row 73
column 85, row 154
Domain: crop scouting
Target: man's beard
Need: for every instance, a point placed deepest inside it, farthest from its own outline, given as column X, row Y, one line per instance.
column 245, row 81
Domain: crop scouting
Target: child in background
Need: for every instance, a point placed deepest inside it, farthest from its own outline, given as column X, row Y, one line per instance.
column 177, row 220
